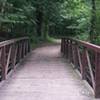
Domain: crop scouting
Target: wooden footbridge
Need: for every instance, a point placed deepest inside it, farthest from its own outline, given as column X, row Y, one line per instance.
column 50, row 72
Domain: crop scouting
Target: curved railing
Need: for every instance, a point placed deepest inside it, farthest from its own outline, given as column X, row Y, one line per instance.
column 86, row 58
column 11, row 53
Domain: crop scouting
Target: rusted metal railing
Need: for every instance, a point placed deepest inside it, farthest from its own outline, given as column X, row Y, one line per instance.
column 11, row 53
column 86, row 58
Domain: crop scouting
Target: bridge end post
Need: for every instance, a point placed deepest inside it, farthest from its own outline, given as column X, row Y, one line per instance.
column 97, row 75
column 62, row 45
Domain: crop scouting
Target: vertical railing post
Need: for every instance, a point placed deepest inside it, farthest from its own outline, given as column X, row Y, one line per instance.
column 23, row 46
column 26, row 46
column 0, row 65
column 66, row 48
column 97, row 75
column 23, row 53
column 62, row 45
column 69, row 50
column 20, row 53
column 8, row 59
column 83, row 63
column 15, row 55
column 3, row 62
column 12, row 54
column 74, row 53
column 29, row 45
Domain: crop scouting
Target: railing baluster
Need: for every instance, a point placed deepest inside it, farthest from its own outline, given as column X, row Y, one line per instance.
column 97, row 75
column 15, row 55
column 80, row 60
column 20, row 52
column 69, row 50
column 0, row 64
column 8, row 60
column 83, row 63
column 75, row 56
column 3, row 63
column 24, row 49
column 90, row 69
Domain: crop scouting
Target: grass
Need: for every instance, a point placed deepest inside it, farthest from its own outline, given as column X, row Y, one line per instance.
column 36, row 41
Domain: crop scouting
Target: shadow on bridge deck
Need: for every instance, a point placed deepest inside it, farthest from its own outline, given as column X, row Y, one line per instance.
column 45, row 75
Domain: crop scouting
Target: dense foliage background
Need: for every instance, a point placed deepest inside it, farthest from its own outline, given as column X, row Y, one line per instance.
column 40, row 19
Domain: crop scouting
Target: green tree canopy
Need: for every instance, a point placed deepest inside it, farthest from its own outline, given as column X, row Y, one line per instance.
column 50, row 17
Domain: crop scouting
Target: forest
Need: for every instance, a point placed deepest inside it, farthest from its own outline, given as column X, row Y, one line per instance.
column 42, row 19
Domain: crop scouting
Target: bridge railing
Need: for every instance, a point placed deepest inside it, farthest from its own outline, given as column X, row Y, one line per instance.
column 11, row 53
column 86, row 58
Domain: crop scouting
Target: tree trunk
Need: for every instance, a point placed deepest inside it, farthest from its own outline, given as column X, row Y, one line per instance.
column 3, row 6
column 93, row 21
column 2, row 11
column 45, row 28
column 39, row 21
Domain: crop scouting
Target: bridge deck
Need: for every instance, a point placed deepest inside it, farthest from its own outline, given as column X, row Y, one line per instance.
column 45, row 75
